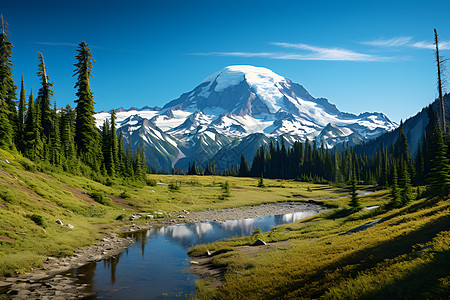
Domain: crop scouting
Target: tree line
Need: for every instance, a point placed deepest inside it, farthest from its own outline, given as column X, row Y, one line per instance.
column 66, row 138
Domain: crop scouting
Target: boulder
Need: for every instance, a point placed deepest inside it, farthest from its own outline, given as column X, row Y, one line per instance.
column 70, row 226
column 59, row 222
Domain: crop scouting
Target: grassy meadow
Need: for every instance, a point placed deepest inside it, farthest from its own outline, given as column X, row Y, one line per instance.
column 33, row 197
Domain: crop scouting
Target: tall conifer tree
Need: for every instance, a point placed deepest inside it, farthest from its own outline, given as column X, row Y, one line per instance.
column 86, row 134
column 8, row 113
column 44, row 100
column 438, row 180
column 21, row 116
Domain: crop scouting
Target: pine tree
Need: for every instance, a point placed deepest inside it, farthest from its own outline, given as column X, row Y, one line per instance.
column 438, row 179
column 31, row 138
column 405, row 185
column 106, row 148
column 21, row 116
column 401, row 146
column 86, row 134
column 354, row 201
column 44, row 100
column 243, row 169
column 122, row 154
column 67, row 138
column 8, row 113
column 113, row 141
column 395, row 192
column 55, row 139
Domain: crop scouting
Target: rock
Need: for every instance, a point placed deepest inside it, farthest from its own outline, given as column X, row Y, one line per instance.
column 4, row 286
column 328, row 243
column 208, row 253
column 153, row 191
column 149, row 217
column 6, row 161
column 70, row 226
column 180, row 216
column 259, row 242
column 93, row 205
column 194, row 262
column 59, row 222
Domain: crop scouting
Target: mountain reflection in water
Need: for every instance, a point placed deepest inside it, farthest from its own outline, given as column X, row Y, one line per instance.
column 156, row 265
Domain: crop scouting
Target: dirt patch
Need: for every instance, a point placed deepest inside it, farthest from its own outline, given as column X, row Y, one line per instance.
column 121, row 202
column 79, row 194
column 6, row 239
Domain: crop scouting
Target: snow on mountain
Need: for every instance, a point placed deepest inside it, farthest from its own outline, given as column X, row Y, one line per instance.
column 246, row 101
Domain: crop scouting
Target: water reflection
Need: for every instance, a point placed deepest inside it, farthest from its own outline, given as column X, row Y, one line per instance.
column 156, row 266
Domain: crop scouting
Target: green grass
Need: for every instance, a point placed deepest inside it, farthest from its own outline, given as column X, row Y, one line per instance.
column 405, row 256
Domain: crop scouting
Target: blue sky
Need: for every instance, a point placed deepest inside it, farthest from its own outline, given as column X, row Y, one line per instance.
column 360, row 55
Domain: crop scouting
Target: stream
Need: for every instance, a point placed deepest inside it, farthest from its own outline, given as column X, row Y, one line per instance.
column 156, row 265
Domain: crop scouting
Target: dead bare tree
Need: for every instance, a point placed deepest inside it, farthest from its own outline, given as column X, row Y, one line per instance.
column 440, row 66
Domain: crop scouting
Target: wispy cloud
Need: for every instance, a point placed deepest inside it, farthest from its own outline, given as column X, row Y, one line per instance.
column 331, row 54
column 56, row 44
column 443, row 45
column 306, row 52
column 394, row 42
column 406, row 42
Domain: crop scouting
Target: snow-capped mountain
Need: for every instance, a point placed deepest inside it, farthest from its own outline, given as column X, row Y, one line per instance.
column 236, row 105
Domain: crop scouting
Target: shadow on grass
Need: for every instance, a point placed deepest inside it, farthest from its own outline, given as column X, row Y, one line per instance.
column 422, row 283
column 350, row 265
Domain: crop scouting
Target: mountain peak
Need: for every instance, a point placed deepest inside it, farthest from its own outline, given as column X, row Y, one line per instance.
column 233, row 75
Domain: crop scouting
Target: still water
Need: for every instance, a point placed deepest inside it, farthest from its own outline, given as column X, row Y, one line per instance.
column 156, row 265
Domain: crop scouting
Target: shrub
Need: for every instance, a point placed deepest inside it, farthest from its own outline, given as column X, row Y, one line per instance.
column 38, row 219
column 125, row 195
column 100, row 198
column 27, row 165
column 150, row 182
column 108, row 182
column 174, row 186
column 120, row 217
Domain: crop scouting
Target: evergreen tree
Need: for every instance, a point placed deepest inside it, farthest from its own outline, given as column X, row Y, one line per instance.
column 21, row 116
column 44, row 100
column 67, row 137
column 8, row 114
column 113, row 140
column 243, row 169
column 55, row 139
column 86, row 134
column 354, row 201
column 122, row 154
column 33, row 146
column 401, row 146
column 106, row 148
column 395, row 192
column 438, row 179
column 405, row 185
